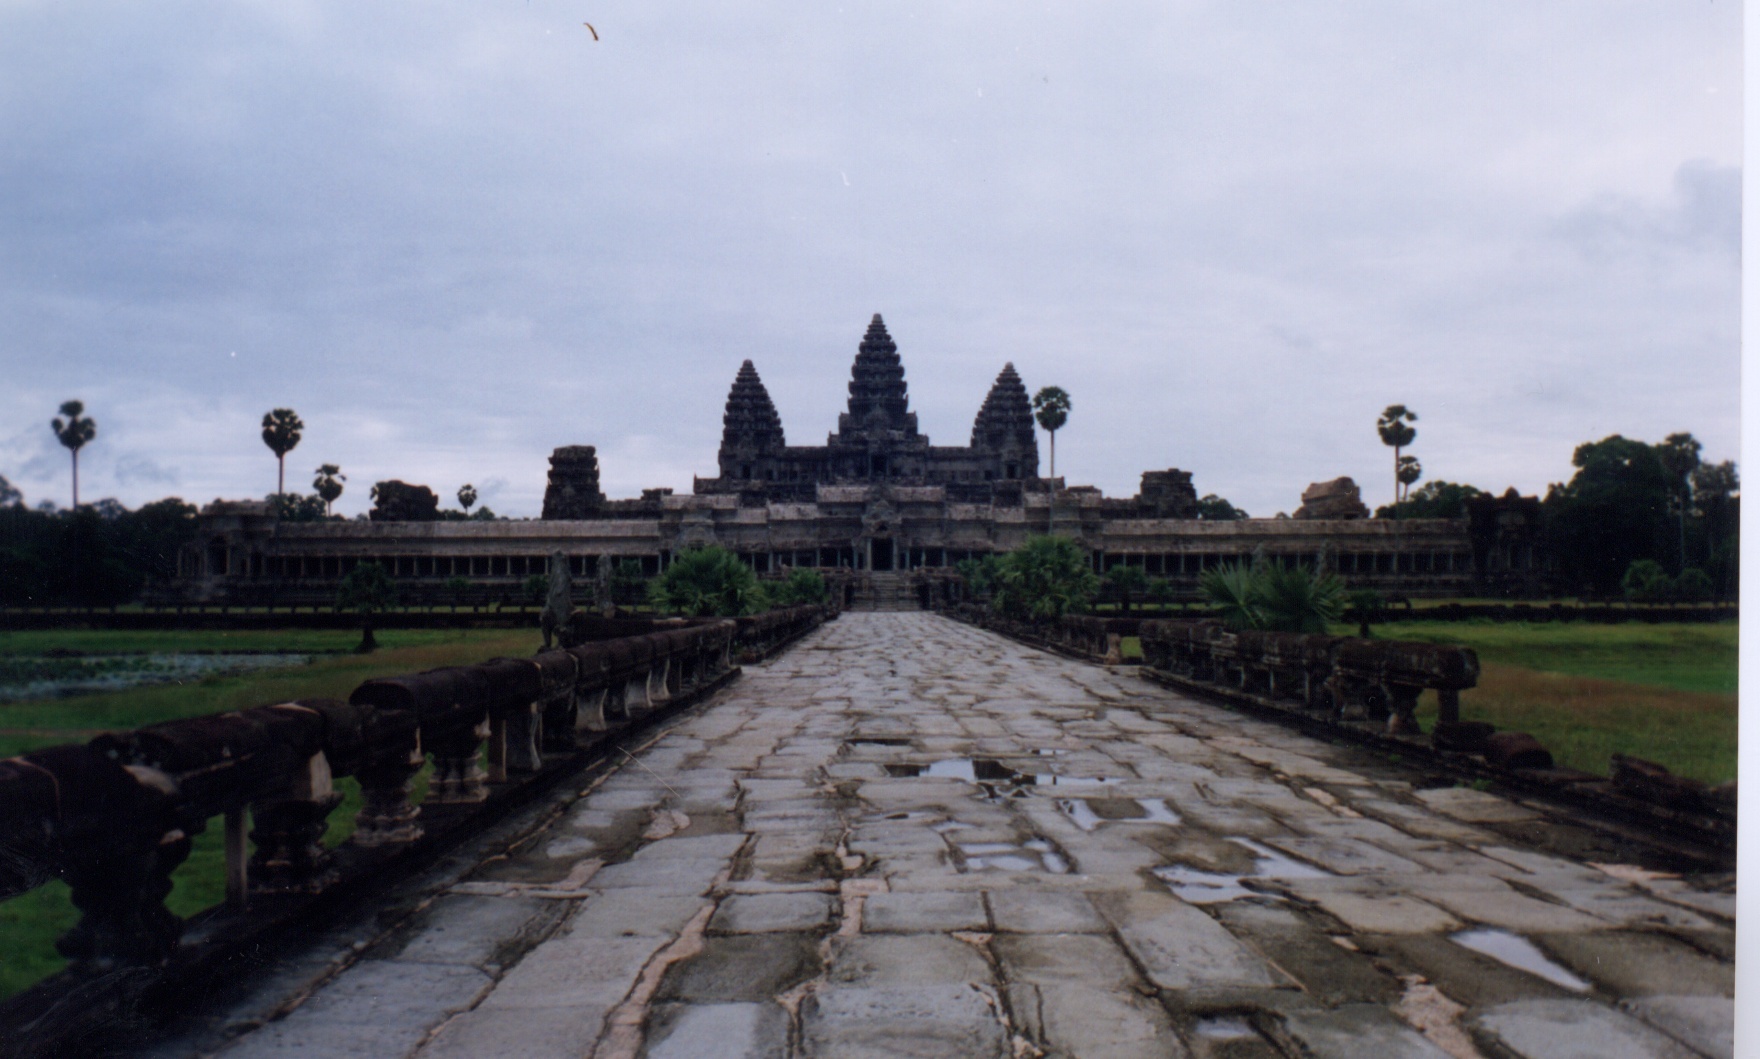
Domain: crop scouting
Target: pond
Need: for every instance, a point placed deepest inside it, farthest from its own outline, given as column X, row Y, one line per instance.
column 26, row 677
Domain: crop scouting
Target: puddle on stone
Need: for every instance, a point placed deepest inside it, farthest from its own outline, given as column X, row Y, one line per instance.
column 1209, row 888
column 1155, row 811
column 1033, row 855
column 998, row 779
column 1513, row 950
column 1079, row 814
column 1224, row 1028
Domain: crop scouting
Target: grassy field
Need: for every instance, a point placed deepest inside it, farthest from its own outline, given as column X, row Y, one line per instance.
column 1663, row 692
column 30, row 923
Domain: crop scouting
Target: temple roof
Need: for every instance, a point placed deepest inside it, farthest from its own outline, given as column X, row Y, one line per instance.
column 751, row 416
column 1006, row 418
column 877, row 400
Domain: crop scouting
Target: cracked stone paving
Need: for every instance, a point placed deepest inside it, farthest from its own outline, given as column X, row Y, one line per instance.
column 910, row 837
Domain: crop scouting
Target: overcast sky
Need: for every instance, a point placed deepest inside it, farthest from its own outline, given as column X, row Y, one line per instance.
column 455, row 235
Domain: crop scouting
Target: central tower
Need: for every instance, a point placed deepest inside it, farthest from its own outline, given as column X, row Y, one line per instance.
column 879, row 408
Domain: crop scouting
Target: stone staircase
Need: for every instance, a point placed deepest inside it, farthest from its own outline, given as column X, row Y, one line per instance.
column 886, row 590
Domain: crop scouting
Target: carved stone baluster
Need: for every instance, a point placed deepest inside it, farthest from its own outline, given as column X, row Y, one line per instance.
column 288, row 827
column 120, row 889
column 458, row 776
column 524, row 729
column 387, row 815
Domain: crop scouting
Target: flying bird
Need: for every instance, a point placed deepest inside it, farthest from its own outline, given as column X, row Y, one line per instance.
column 591, row 30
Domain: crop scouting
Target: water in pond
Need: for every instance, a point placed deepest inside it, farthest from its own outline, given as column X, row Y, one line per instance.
column 30, row 677
column 1208, row 888
column 1513, row 950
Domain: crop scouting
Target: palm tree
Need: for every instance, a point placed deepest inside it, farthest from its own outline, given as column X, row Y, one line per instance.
column 74, row 432
column 1051, row 409
column 281, row 429
column 1410, row 470
column 467, row 495
column 328, row 484
column 1395, row 430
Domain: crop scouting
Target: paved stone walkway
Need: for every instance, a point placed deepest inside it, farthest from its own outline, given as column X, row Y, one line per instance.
column 908, row 837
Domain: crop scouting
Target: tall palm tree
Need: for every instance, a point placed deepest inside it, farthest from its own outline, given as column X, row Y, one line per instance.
column 1051, row 409
column 467, row 495
column 74, row 432
column 328, row 484
column 1410, row 470
column 281, row 429
column 1396, row 430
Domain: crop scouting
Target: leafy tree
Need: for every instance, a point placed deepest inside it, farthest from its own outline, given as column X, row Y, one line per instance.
column 457, row 588
column 1045, row 578
column 281, row 429
column 981, row 575
column 1051, row 410
column 1613, row 511
column 1396, row 430
column 536, row 587
column 328, row 484
column 10, row 496
column 1160, row 591
column 628, row 583
column 1694, row 586
column 707, row 581
column 1213, row 508
column 1363, row 603
column 1123, row 582
column 1645, row 581
column 1410, row 470
column 1295, row 598
column 800, row 586
column 1275, row 597
column 396, row 501
column 1717, row 510
column 467, row 495
column 1437, row 499
column 1232, row 589
column 366, row 590
column 1679, row 454
column 292, row 507
column 74, row 432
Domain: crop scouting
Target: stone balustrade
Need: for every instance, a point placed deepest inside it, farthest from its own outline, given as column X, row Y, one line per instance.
column 115, row 817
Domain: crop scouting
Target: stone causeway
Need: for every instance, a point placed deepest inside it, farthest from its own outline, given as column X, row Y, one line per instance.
column 911, row 837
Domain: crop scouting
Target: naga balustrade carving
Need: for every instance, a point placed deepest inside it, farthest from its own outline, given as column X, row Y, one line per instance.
column 115, row 817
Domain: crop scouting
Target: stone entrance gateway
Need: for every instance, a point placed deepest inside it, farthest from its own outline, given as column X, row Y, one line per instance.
column 912, row 837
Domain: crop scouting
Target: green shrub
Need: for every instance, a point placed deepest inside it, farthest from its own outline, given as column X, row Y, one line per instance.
column 800, row 586
column 1646, row 581
column 1043, row 579
column 1274, row 597
column 705, row 582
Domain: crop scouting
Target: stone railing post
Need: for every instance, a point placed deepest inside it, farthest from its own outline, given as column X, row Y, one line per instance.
column 288, row 829
column 387, row 815
column 458, row 777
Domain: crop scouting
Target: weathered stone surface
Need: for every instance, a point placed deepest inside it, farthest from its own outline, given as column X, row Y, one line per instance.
column 376, row 1008
column 589, row 974
column 1044, row 912
column 630, row 912
column 743, row 967
column 727, row 1031
column 1574, row 1029
column 1386, row 914
column 882, row 1022
column 1704, row 1022
column 469, row 930
column 921, row 912
column 769, row 913
column 1179, row 946
column 1355, row 1031
column 1633, row 964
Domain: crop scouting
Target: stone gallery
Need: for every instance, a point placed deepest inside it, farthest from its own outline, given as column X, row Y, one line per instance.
column 878, row 502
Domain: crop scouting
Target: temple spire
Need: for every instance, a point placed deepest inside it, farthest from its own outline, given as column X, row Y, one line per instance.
column 750, row 427
column 1005, row 421
column 878, row 402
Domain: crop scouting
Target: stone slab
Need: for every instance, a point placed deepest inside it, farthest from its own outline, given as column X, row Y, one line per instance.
column 1703, row 1022
column 1179, row 947
column 1386, row 914
column 770, row 913
column 1631, row 963
column 931, row 1022
column 629, row 912
column 1357, row 1031
column 1044, row 912
column 743, row 967
column 1573, row 1029
column 726, row 1031
column 923, row 912
column 469, row 930
column 592, row 974
column 375, row 1008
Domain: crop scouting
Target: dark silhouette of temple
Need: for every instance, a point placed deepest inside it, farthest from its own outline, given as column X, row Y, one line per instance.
column 876, row 440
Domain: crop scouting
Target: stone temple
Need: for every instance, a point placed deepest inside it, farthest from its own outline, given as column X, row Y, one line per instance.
column 876, row 502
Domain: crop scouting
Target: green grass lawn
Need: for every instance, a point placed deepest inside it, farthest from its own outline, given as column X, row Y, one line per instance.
column 30, row 923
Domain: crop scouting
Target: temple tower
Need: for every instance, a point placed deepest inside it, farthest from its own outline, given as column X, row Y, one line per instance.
column 751, row 431
column 1004, row 428
column 878, row 405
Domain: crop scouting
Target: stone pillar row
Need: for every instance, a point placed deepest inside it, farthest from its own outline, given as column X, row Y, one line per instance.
column 115, row 817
